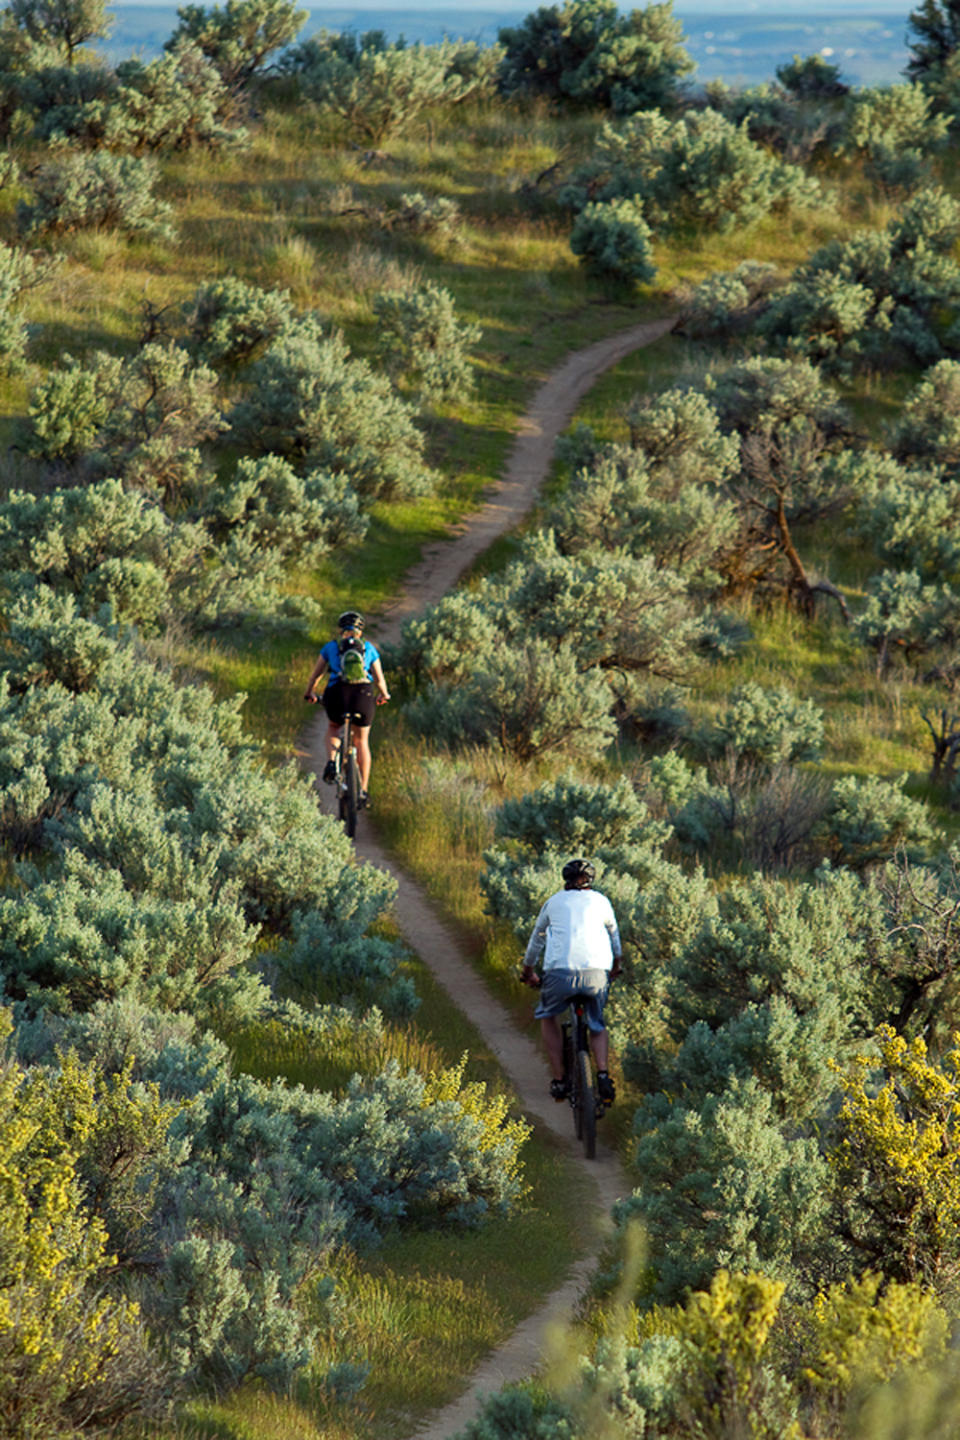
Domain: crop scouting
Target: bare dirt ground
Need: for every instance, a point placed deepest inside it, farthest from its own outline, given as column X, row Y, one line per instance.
column 437, row 944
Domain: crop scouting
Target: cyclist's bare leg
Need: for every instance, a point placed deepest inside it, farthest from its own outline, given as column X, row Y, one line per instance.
column 553, row 1040
column 601, row 1048
column 333, row 740
column 361, row 734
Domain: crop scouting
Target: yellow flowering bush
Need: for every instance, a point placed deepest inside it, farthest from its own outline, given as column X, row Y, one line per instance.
column 71, row 1353
column 729, row 1384
column 497, row 1133
column 863, row 1333
column 896, row 1162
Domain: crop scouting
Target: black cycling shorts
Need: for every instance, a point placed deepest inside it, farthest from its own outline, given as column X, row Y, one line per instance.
column 340, row 698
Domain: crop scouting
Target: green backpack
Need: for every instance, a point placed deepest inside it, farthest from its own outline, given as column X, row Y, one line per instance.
column 352, row 669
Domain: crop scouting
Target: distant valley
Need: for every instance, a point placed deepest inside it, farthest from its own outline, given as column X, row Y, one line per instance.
column 739, row 46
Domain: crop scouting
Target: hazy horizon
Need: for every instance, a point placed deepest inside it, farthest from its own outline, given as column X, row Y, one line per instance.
column 737, row 41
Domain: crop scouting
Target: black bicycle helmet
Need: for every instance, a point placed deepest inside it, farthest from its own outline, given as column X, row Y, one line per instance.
column 578, row 874
column 350, row 620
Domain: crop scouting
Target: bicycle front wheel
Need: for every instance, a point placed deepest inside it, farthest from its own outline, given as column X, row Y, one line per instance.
column 587, row 1105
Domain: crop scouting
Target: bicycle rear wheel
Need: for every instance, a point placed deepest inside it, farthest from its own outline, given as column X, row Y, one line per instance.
column 350, row 796
column 587, row 1104
column 576, row 1101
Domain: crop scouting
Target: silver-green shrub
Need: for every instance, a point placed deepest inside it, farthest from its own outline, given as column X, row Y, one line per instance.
column 173, row 103
column 766, row 726
column 309, row 400
column 715, row 480
column 239, row 37
column 726, row 303
column 905, row 619
column 611, row 238
column 927, row 428
column 896, row 132
column 381, row 89
column 97, row 191
column 422, row 339
column 19, row 271
column 229, row 322
column 587, row 53
column 61, row 25
column 547, row 653
column 142, row 418
column 879, row 294
column 871, row 819
column 699, row 172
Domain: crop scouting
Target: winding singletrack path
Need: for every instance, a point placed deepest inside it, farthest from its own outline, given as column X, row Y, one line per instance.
column 437, row 944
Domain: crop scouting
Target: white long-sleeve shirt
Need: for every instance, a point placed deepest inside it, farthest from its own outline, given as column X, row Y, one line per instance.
column 575, row 930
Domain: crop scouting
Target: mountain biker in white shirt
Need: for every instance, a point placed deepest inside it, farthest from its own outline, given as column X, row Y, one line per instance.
column 576, row 936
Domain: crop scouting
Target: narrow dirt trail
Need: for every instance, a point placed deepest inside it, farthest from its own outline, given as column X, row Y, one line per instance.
column 436, row 943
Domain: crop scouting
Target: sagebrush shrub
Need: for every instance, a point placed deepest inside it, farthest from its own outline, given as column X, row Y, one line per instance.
column 142, row 418
column 612, row 240
column 312, row 402
column 699, row 172
column 585, row 53
column 19, row 271
column 62, row 27
column 766, row 726
column 877, row 294
column 927, row 428
column 172, row 103
column 870, row 819
column 238, row 37
column 895, row 132
column 98, row 191
column 229, row 321
column 380, row 89
column 725, row 303
column 421, row 337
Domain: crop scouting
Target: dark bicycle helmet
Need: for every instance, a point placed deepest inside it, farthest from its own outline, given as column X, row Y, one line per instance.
column 578, row 874
column 350, row 620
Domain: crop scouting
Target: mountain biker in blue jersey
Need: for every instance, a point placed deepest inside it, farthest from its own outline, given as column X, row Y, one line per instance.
column 353, row 667
column 577, row 937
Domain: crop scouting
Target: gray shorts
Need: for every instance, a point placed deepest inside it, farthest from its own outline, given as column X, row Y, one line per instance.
column 559, row 987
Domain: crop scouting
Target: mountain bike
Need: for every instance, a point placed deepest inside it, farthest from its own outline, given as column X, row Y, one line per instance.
column 578, row 1072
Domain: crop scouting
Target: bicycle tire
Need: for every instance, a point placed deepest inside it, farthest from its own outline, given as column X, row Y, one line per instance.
column 587, row 1106
column 351, row 796
column 338, row 779
column 571, row 1065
